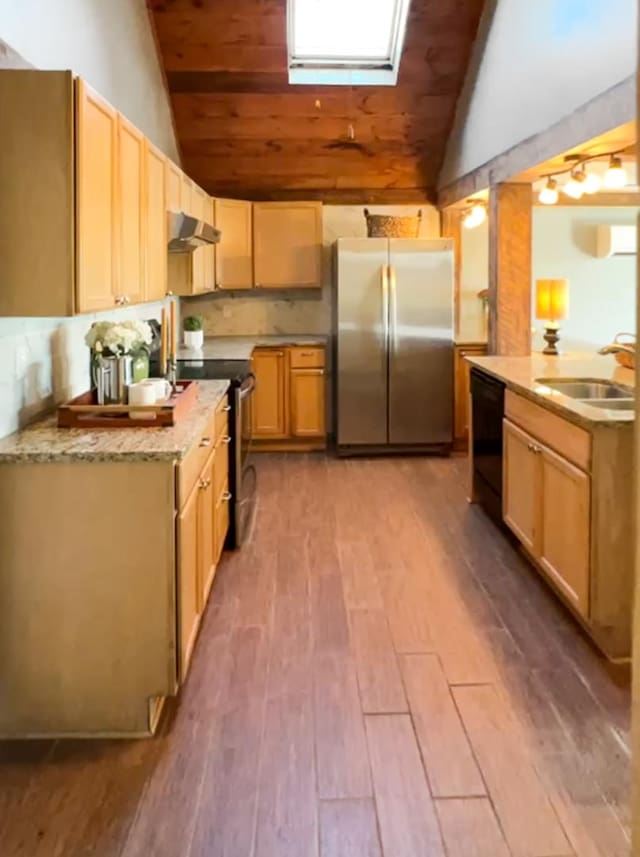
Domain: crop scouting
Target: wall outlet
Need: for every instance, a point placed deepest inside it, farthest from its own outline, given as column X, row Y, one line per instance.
column 226, row 312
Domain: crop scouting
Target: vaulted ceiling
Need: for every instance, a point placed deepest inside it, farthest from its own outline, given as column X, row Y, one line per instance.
column 245, row 132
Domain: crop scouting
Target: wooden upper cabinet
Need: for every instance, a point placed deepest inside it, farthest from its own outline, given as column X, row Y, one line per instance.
column 268, row 411
column 174, row 186
column 307, row 402
column 287, row 244
column 186, row 194
column 131, row 204
column 234, row 262
column 155, row 224
column 96, row 208
column 521, row 486
column 565, row 528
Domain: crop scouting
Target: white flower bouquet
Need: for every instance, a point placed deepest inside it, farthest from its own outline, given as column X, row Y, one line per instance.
column 115, row 339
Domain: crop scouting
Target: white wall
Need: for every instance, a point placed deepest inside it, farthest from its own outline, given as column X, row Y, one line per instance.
column 305, row 311
column 602, row 292
column 109, row 42
column 542, row 60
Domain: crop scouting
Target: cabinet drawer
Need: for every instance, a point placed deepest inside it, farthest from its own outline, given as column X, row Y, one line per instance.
column 192, row 464
column 564, row 437
column 306, row 358
column 222, row 420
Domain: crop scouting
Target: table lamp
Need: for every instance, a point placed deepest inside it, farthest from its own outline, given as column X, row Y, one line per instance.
column 552, row 305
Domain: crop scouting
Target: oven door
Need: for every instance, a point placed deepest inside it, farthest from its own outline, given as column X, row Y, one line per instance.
column 245, row 473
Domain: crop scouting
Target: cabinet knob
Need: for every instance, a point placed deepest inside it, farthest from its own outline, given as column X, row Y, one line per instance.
column 118, row 301
column 227, row 408
column 170, row 294
column 226, row 495
column 206, row 441
column 226, row 439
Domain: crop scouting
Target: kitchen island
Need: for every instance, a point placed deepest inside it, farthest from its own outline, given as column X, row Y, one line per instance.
column 567, row 486
column 110, row 542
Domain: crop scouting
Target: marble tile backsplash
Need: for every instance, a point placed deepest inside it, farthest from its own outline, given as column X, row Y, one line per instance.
column 44, row 361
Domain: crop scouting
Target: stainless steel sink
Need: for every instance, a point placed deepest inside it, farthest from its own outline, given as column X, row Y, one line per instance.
column 612, row 404
column 587, row 389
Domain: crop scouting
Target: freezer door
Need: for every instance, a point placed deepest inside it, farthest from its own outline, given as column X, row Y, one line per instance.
column 421, row 341
column 362, row 332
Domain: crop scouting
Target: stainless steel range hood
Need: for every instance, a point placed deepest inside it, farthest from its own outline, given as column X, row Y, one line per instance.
column 187, row 233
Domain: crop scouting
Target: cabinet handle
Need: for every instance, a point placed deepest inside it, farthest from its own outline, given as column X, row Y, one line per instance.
column 226, row 495
column 226, row 439
column 206, row 441
column 227, row 408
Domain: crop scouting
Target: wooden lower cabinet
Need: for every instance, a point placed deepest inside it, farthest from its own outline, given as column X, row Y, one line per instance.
column 189, row 547
column 288, row 411
column 307, row 403
column 268, row 412
column 462, row 391
column 105, row 598
column 564, row 527
column 546, row 505
column 521, row 486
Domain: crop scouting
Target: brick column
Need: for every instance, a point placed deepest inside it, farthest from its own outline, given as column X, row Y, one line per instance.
column 510, row 269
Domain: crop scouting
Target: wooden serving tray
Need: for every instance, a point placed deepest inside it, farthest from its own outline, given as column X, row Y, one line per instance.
column 85, row 412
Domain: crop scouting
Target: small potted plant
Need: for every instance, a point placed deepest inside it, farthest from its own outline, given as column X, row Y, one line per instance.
column 192, row 331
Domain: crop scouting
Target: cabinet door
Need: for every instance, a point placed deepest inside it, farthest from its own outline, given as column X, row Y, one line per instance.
column 206, row 532
column 287, row 243
column 188, row 601
column 221, row 522
column 521, row 492
column 307, row 388
column 566, row 522
column 96, row 218
column 131, row 194
column 463, row 389
column 269, row 417
column 155, row 224
column 186, row 194
column 235, row 251
column 174, row 186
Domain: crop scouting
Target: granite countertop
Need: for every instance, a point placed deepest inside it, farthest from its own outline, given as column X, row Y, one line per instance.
column 523, row 374
column 43, row 441
column 240, row 347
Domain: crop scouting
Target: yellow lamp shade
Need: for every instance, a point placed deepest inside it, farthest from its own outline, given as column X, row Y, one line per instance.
column 552, row 299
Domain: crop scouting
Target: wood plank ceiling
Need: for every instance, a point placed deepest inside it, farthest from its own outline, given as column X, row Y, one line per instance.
column 245, row 132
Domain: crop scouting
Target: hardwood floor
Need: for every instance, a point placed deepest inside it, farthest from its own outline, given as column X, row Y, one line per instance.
column 379, row 674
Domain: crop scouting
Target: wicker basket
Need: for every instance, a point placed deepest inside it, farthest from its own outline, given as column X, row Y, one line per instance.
column 386, row 226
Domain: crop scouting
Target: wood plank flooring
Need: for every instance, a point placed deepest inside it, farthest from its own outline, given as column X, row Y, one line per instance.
column 379, row 674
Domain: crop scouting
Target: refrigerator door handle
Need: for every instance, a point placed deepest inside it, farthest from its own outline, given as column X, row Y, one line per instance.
column 384, row 282
column 393, row 307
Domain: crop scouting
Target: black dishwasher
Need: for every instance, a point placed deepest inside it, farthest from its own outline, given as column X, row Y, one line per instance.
column 487, row 400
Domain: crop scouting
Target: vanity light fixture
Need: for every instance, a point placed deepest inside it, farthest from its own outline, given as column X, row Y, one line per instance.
column 475, row 215
column 615, row 177
column 549, row 194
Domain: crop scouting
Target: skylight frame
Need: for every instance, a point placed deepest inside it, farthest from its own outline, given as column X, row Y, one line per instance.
column 345, row 70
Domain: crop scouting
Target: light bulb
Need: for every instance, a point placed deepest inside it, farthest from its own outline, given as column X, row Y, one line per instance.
column 549, row 193
column 476, row 215
column 592, row 183
column 616, row 176
column 575, row 186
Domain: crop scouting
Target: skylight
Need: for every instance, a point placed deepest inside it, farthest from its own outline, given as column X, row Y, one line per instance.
column 353, row 42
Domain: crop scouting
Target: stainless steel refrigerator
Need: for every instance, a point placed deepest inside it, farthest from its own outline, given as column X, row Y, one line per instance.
column 394, row 344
